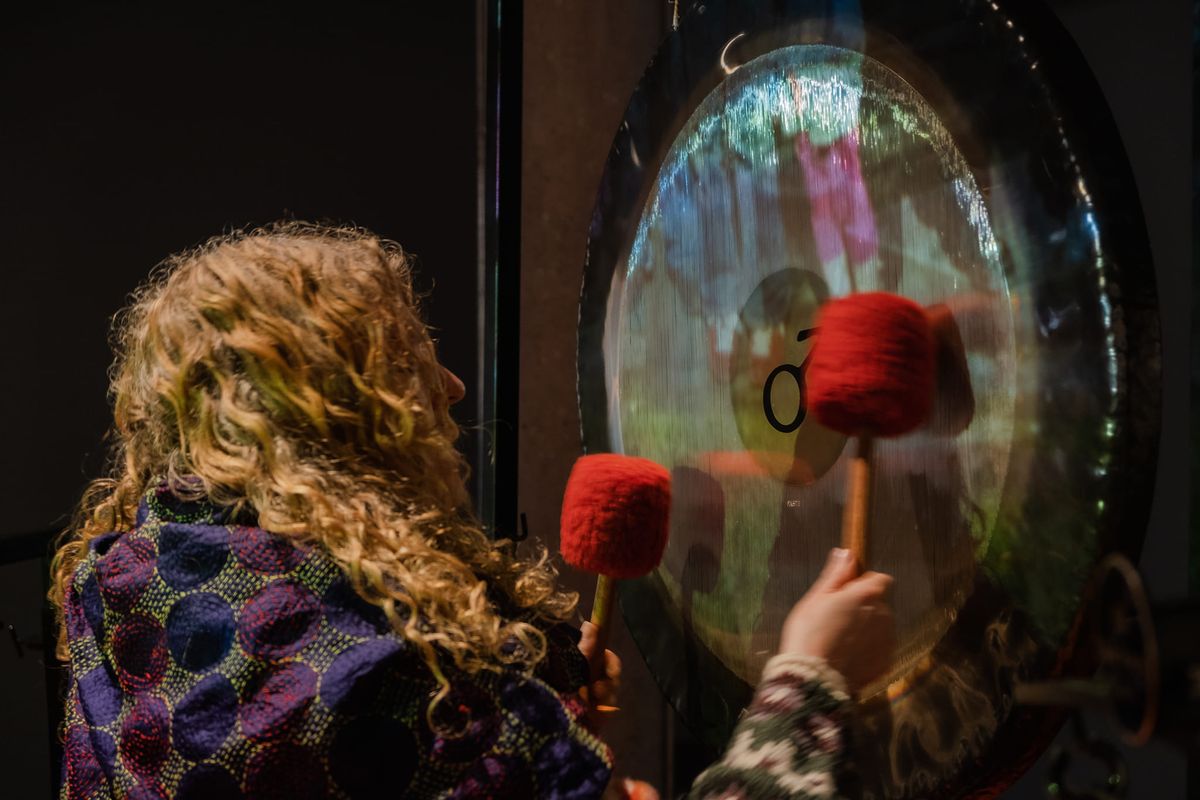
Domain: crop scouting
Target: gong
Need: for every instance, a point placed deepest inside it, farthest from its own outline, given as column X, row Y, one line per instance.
column 779, row 154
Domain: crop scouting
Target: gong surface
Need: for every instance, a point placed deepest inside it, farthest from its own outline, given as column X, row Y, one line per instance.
column 776, row 155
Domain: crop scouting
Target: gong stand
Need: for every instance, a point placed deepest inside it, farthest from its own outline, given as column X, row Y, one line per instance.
column 1146, row 683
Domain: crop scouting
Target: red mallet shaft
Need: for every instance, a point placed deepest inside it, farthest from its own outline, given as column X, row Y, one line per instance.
column 615, row 521
column 870, row 373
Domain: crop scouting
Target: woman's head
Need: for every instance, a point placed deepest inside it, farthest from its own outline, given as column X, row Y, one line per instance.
column 286, row 371
column 285, row 350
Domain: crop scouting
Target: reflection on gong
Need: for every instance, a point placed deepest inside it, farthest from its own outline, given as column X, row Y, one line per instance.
column 760, row 212
column 779, row 155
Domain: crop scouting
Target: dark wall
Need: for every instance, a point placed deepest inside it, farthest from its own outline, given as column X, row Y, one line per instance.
column 132, row 130
column 582, row 61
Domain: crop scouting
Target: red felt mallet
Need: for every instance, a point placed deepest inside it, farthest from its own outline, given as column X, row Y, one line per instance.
column 871, row 373
column 615, row 522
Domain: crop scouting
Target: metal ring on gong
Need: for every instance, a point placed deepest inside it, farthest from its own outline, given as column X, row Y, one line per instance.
column 775, row 155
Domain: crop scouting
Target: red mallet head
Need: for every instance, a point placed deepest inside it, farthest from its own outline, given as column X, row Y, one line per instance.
column 872, row 366
column 615, row 515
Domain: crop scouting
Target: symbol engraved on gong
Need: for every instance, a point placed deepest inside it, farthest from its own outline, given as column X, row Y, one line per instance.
column 797, row 373
column 766, row 378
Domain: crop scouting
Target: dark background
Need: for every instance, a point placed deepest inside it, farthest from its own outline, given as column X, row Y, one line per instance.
column 129, row 131
column 133, row 131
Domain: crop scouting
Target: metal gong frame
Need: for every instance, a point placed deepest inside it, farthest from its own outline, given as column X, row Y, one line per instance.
column 1010, row 87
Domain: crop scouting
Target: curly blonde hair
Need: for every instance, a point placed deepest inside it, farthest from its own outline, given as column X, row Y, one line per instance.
column 287, row 371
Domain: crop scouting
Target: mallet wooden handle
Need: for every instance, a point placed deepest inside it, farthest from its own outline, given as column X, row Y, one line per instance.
column 602, row 607
column 857, row 514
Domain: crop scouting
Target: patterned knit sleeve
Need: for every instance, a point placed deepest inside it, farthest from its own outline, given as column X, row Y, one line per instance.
column 789, row 742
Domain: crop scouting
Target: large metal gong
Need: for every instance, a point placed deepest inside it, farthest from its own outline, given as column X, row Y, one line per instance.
column 775, row 155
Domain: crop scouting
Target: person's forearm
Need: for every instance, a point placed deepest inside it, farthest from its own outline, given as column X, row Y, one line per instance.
column 790, row 740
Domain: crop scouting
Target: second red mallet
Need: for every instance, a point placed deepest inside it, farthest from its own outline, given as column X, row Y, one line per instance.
column 615, row 522
column 870, row 373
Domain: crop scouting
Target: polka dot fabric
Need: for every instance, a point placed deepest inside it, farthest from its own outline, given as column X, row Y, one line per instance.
column 216, row 660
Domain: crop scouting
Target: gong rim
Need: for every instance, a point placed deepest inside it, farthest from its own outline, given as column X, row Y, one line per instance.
column 976, row 63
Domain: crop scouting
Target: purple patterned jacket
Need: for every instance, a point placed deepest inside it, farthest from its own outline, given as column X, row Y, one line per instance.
column 215, row 660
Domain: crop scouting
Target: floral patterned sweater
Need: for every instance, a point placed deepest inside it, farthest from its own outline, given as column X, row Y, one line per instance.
column 214, row 660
